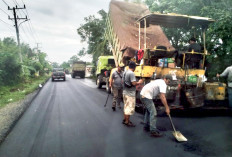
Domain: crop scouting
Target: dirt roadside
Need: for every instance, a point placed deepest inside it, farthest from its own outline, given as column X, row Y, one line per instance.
column 11, row 113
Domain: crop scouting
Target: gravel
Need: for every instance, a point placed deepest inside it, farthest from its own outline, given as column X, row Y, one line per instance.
column 11, row 113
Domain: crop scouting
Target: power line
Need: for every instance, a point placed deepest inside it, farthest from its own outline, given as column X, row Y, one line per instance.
column 30, row 25
column 5, row 22
column 16, row 3
column 4, row 11
column 28, row 33
column 26, row 14
column 5, row 3
column 24, row 32
column 10, row 28
column 32, row 29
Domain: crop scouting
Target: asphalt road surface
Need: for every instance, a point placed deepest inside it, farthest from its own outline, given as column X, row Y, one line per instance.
column 68, row 119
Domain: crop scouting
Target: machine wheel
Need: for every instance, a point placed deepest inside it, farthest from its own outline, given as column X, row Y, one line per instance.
column 99, row 83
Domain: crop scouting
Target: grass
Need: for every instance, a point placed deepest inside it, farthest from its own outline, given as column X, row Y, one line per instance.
column 9, row 94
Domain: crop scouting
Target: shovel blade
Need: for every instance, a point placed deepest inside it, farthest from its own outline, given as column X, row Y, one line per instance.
column 179, row 137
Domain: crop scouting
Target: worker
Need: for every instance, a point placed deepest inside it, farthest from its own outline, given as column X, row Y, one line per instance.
column 193, row 60
column 193, row 46
column 147, row 94
column 116, row 84
column 129, row 90
column 228, row 73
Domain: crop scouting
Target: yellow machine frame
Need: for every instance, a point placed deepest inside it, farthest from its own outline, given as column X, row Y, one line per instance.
column 171, row 20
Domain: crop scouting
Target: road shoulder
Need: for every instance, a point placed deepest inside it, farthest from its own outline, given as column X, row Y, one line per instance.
column 11, row 113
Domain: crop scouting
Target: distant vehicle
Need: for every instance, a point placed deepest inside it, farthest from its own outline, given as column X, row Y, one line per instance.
column 58, row 73
column 66, row 71
column 78, row 69
column 88, row 70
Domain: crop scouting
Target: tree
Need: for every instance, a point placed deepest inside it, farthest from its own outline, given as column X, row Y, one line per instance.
column 65, row 65
column 92, row 32
column 10, row 67
column 218, row 41
column 44, row 63
column 74, row 58
column 55, row 65
column 137, row 1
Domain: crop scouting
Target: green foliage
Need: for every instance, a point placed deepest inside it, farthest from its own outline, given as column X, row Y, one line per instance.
column 92, row 32
column 137, row 1
column 37, row 66
column 65, row 65
column 74, row 58
column 17, row 92
column 55, row 65
column 12, row 71
column 9, row 63
column 219, row 34
column 82, row 52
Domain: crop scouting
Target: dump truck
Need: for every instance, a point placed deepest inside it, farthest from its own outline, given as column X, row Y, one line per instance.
column 78, row 69
column 132, row 31
column 104, row 66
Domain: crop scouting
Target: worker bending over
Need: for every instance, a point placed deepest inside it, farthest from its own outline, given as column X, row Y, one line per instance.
column 150, row 91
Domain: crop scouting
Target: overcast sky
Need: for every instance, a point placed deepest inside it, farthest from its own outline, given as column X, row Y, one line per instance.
column 53, row 24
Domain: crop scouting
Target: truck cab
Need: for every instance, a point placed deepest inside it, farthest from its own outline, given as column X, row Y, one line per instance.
column 104, row 66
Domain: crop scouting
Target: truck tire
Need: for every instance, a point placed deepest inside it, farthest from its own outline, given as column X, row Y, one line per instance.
column 99, row 83
column 108, row 89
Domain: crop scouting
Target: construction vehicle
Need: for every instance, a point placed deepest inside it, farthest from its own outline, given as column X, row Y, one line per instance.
column 130, row 30
column 78, row 69
column 104, row 66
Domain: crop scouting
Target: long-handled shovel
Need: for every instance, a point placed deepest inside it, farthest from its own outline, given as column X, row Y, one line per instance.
column 107, row 100
column 177, row 134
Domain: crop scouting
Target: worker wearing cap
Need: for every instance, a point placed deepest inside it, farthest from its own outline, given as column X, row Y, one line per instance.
column 116, row 84
column 228, row 73
column 147, row 94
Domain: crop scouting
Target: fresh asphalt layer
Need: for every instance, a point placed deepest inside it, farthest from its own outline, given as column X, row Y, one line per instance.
column 68, row 119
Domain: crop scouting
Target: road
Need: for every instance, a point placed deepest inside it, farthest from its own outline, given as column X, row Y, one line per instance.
column 68, row 119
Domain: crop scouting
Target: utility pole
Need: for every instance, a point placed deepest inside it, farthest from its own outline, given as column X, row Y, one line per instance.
column 16, row 26
column 38, row 47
